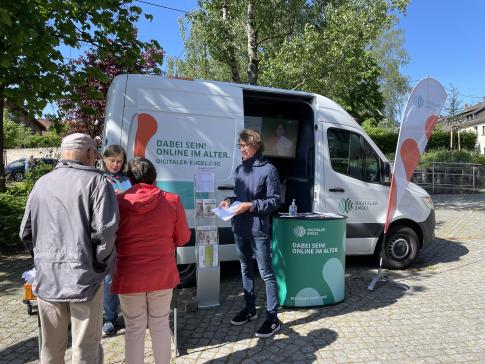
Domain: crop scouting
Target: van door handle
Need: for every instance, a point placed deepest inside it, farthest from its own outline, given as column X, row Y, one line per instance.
column 226, row 188
column 336, row 190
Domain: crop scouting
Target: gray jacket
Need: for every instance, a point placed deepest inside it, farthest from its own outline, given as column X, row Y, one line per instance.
column 69, row 226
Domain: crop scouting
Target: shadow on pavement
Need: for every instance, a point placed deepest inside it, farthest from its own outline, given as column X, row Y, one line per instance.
column 440, row 251
column 21, row 352
column 212, row 328
column 11, row 269
column 267, row 349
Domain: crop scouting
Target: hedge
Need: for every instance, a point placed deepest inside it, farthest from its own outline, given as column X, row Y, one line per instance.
column 387, row 140
column 454, row 156
column 12, row 206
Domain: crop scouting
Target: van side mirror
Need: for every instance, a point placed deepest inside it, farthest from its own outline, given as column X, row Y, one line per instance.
column 386, row 173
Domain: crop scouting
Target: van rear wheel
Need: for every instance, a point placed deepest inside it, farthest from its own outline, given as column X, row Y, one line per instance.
column 401, row 247
column 187, row 274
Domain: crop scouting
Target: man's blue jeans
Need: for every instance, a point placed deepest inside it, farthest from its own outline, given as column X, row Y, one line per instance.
column 111, row 301
column 261, row 249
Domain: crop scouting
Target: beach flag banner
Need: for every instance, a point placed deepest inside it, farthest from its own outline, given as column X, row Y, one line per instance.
column 420, row 117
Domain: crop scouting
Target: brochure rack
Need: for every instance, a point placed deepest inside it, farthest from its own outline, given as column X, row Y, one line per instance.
column 206, row 239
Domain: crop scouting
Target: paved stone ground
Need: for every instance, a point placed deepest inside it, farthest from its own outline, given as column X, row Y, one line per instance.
column 441, row 318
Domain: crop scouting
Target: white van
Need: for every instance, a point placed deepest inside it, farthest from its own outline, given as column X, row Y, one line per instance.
column 326, row 161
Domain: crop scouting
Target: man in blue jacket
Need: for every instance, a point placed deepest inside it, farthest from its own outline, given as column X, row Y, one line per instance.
column 257, row 187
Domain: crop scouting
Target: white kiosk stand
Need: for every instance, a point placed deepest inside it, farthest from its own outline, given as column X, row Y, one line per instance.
column 206, row 239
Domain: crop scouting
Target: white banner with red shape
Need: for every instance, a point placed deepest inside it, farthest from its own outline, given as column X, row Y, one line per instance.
column 420, row 117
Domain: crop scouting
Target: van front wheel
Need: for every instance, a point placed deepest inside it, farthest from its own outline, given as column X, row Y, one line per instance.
column 401, row 247
column 187, row 274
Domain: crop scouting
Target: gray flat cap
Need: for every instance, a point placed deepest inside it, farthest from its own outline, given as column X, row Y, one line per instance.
column 79, row 141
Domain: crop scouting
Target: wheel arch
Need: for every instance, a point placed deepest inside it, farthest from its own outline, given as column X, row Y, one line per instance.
column 402, row 222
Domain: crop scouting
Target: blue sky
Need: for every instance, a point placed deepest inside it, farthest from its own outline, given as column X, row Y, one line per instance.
column 444, row 40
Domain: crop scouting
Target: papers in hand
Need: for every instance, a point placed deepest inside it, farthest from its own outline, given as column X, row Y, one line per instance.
column 226, row 214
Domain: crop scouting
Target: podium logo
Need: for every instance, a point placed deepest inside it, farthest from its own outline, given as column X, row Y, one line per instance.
column 299, row 231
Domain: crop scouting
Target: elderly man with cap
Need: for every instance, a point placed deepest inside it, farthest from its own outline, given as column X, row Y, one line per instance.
column 69, row 227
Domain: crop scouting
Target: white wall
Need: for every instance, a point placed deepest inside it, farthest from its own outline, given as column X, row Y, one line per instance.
column 14, row 154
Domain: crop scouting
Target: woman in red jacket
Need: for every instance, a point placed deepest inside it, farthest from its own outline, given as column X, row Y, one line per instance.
column 152, row 225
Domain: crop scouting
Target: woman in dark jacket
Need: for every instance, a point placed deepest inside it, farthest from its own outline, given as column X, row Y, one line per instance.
column 257, row 187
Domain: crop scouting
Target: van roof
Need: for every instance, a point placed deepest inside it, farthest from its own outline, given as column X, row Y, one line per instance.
column 323, row 102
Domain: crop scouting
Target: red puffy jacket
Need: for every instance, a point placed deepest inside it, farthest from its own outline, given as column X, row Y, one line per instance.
column 152, row 224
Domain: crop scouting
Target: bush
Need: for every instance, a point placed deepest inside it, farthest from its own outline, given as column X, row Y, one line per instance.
column 386, row 140
column 467, row 141
column 12, row 205
column 455, row 156
column 441, row 140
column 50, row 139
column 19, row 136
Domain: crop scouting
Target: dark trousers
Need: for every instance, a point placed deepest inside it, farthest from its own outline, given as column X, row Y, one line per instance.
column 261, row 249
column 110, row 301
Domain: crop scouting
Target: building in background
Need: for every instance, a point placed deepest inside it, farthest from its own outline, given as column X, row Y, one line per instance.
column 20, row 115
column 471, row 119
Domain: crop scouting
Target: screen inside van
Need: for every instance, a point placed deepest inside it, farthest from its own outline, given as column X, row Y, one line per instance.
column 279, row 135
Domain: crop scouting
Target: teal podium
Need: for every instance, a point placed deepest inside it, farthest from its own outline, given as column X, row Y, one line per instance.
column 309, row 259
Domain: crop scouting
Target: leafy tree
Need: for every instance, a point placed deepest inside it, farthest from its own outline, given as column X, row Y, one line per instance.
column 14, row 133
column 90, row 77
column 454, row 103
column 318, row 46
column 31, row 64
column 452, row 108
column 390, row 54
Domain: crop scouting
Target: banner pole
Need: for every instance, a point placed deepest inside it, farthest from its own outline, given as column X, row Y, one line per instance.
column 379, row 276
column 379, row 270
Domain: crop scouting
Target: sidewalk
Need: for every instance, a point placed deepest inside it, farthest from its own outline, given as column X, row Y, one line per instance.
column 439, row 319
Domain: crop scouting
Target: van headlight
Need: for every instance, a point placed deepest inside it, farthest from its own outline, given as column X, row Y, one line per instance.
column 428, row 201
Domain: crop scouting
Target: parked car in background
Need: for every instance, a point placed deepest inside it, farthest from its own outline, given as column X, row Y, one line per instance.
column 16, row 169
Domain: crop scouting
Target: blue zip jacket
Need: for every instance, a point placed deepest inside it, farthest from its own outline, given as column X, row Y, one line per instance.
column 256, row 181
column 118, row 180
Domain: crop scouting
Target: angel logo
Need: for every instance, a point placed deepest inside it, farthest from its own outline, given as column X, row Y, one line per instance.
column 299, row 231
column 345, row 205
column 419, row 101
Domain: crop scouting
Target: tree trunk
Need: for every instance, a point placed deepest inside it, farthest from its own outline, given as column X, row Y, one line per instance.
column 253, row 65
column 231, row 53
column 451, row 138
column 2, row 169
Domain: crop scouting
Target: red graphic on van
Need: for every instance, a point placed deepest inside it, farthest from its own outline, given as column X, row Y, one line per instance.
column 147, row 127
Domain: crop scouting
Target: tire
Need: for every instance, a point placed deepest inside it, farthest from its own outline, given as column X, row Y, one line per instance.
column 401, row 247
column 188, row 273
column 18, row 176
